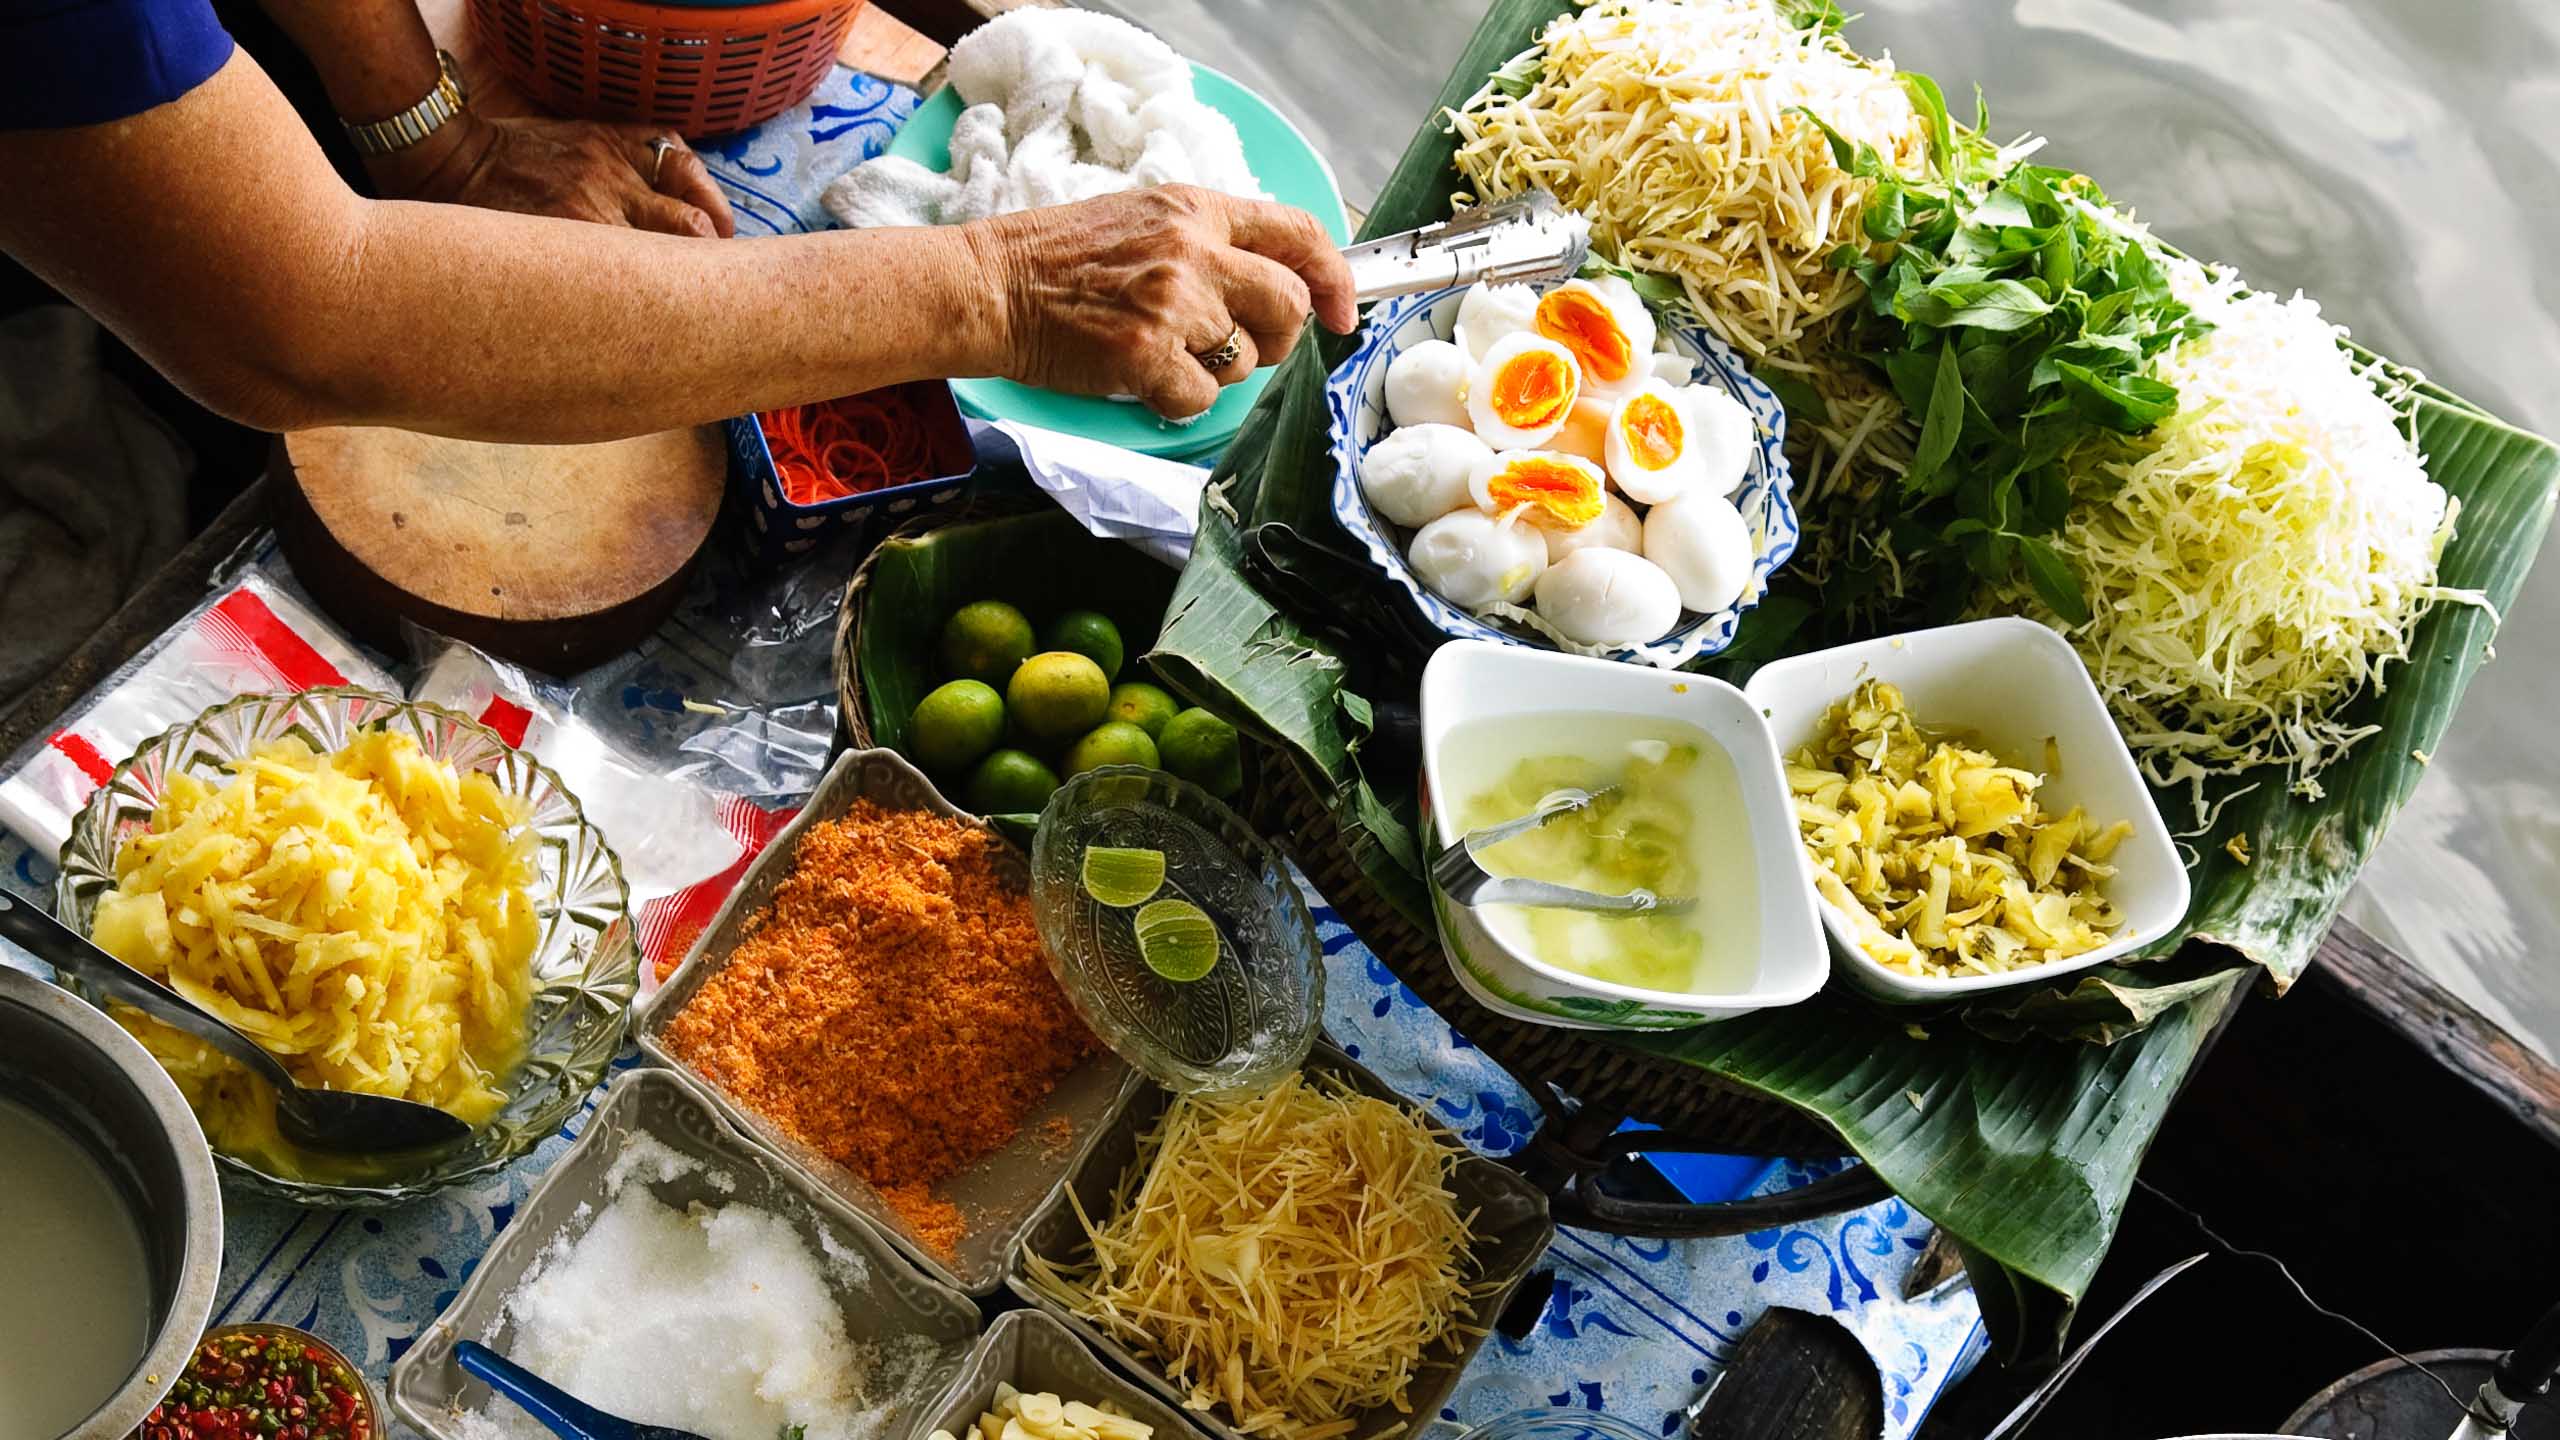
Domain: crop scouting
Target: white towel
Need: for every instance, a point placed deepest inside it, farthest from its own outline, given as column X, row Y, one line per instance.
column 1063, row 105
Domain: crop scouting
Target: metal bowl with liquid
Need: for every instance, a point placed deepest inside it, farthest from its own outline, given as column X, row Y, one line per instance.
column 70, row 1068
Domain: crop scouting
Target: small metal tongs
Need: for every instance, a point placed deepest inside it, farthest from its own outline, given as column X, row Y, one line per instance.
column 1528, row 238
column 1464, row 879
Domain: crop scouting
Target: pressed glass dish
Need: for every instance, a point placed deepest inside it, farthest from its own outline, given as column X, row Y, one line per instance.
column 1251, row 1019
column 585, row 965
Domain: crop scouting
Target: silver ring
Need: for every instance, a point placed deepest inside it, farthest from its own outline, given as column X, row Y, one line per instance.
column 658, row 148
column 1226, row 354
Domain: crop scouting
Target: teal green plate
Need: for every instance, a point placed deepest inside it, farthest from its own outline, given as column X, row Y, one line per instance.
column 1286, row 165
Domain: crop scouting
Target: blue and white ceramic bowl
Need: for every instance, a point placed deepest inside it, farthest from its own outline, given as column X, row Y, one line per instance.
column 1356, row 396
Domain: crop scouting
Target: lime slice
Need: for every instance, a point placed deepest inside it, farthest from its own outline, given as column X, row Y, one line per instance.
column 1177, row 939
column 1122, row 878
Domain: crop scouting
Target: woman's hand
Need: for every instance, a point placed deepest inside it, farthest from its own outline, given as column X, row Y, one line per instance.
column 579, row 169
column 1122, row 295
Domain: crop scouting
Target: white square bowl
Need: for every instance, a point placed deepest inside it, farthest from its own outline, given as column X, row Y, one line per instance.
column 2010, row 684
column 1473, row 679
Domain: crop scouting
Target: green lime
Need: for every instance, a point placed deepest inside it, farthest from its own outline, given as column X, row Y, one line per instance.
column 985, row 641
column 955, row 725
column 1177, row 939
column 1092, row 635
column 1201, row 748
column 1114, row 742
column 1058, row 694
column 1120, row 877
column 1009, row 782
column 1143, row 705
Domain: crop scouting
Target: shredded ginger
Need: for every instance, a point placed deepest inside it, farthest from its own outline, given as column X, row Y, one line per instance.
column 2260, row 558
column 1293, row 1256
column 1671, row 125
column 1941, row 852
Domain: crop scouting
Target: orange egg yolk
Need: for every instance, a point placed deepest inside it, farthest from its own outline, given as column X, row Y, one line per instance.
column 1578, row 321
column 1654, row 434
column 1557, row 493
column 1532, row 390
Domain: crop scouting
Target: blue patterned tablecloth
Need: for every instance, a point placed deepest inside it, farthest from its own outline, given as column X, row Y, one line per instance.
column 1633, row 1327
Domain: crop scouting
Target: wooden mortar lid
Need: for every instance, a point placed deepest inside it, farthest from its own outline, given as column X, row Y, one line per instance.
column 554, row 556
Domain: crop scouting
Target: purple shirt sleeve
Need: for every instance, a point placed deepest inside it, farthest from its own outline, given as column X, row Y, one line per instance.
column 84, row 62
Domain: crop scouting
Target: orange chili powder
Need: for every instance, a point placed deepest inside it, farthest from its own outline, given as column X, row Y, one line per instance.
column 892, row 1008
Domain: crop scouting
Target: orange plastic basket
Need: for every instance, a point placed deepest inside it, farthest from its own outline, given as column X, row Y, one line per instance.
column 697, row 71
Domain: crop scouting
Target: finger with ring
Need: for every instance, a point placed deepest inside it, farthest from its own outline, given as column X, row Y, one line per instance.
column 658, row 148
column 1231, row 355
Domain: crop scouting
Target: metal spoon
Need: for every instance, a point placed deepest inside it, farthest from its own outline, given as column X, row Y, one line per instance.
column 555, row 1409
column 1464, row 879
column 325, row 1120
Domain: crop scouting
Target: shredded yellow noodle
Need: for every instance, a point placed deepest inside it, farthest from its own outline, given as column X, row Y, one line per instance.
column 363, row 916
column 1292, row 1256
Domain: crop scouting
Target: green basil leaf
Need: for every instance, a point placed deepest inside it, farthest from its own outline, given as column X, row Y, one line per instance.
column 1944, row 423
column 1931, row 102
column 2055, row 585
column 2127, row 403
column 1885, row 215
column 1520, row 74
column 1989, row 304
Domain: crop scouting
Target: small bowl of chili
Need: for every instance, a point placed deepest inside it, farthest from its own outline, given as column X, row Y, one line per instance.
column 266, row 1382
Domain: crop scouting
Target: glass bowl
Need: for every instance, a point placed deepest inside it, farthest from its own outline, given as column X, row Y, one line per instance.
column 1251, row 1019
column 366, row 1419
column 585, row 966
column 1549, row 1425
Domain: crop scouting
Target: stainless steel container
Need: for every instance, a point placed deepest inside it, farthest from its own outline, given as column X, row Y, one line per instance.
column 69, row 1063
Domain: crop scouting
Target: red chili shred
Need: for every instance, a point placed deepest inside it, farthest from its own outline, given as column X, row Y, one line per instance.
column 261, row 1386
column 848, row 447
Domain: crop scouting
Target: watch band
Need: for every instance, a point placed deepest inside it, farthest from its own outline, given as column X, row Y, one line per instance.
column 399, row 132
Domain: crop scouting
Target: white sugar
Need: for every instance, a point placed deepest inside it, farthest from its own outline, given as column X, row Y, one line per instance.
column 718, row 1321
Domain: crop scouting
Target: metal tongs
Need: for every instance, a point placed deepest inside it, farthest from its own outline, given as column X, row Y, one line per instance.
column 1528, row 238
column 1464, row 879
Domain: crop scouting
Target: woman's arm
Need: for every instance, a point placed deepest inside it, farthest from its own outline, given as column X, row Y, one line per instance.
column 212, row 235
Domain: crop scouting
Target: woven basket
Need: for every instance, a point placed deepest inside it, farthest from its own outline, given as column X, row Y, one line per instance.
column 696, row 71
column 853, row 717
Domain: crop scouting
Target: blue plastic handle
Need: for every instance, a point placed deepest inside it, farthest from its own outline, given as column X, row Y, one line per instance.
column 556, row 1409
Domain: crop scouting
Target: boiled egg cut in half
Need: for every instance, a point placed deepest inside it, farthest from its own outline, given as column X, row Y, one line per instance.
column 1561, row 492
column 1488, row 312
column 1604, row 323
column 1522, row 392
column 1652, row 446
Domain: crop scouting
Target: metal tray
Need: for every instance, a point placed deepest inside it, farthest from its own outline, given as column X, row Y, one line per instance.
column 1511, row 1218
column 428, row 1390
column 998, row 1194
column 1033, row 1352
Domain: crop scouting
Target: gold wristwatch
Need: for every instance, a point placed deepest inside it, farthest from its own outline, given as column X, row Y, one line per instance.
column 399, row 132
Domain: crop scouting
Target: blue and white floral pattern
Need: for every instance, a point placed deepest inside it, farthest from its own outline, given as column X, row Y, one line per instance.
column 1356, row 403
column 772, row 174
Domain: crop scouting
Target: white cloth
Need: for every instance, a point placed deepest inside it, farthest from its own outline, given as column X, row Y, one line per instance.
column 1063, row 105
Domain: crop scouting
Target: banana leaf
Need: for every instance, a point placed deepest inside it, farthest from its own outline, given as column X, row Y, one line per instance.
column 2000, row 1123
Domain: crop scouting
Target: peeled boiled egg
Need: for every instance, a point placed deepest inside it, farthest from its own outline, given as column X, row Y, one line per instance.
column 1563, row 492
column 1426, row 385
column 1488, row 312
column 1607, row 597
column 1604, row 323
column 1586, row 430
column 1522, row 392
column 1618, row 528
column 1652, row 446
column 1471, row 559
column 1673, row 368
column 1419, row 473
column 1702, row 543
column 1724, row 435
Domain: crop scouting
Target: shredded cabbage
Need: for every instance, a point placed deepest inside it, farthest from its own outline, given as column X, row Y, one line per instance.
column 2259, row 559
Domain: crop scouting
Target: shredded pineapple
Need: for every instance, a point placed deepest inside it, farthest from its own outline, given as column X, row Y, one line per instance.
column 1941, row 852
column 363, row 916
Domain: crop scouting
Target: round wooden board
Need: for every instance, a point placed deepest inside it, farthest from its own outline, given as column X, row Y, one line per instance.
column 556, row 556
